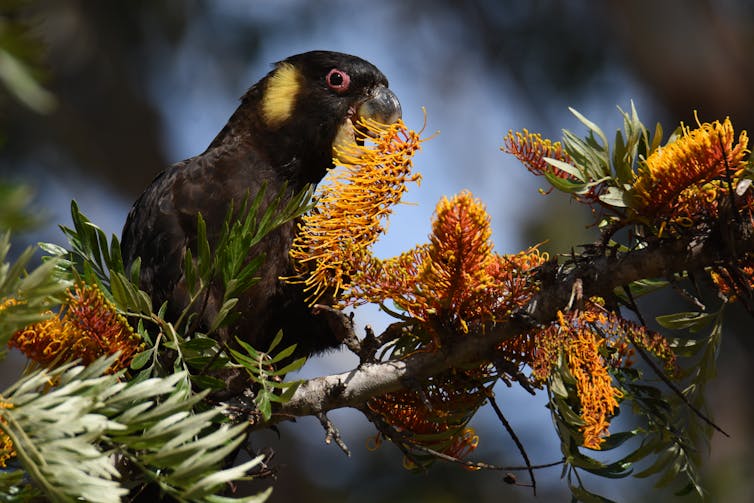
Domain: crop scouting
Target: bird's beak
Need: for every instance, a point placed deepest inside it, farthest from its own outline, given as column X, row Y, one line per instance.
column 380, row 106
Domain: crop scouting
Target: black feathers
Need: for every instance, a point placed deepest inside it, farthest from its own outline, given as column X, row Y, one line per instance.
column 281, row 135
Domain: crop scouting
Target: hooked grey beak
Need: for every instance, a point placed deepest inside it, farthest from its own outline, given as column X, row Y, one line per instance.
column 382, row 106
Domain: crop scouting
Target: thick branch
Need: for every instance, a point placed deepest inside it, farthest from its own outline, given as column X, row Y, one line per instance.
column 599, row 275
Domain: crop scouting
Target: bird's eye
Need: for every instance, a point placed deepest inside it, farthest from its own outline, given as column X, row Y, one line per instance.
column 338, row 81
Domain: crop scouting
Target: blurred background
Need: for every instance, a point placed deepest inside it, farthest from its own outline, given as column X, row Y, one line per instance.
column 131, row 87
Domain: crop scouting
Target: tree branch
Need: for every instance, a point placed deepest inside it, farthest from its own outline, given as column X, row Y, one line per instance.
column 599, row 275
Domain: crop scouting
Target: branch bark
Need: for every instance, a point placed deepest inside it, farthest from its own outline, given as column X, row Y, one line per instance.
column 599, row 274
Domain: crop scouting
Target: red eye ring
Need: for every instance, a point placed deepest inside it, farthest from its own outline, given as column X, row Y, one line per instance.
column 338, row 80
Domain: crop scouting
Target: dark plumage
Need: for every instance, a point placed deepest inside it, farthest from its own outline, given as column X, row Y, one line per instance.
column 283, row 132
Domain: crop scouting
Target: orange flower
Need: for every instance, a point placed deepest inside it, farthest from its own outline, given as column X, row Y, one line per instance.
column 7, row 451
column 683, row 175
column 437, row 417
column 352, row 204
column 531, row 149
column 594, row 341
column 87, row 327
column 737, row 280
column 456, row 277
column 594, row 386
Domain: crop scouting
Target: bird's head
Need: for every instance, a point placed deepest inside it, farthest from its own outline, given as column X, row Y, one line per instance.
column 310, row 102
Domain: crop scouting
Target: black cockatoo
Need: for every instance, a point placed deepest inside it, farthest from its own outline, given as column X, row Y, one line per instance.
column 282, row 134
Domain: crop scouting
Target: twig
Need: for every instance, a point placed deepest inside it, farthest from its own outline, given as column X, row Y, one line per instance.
column 332, row 434
column 516, row 440
column 675, row 389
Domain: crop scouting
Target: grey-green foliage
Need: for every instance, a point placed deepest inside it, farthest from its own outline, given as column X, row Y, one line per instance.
column 72, row 439
column 79, row 432
column 671, row 424
column 594, row 164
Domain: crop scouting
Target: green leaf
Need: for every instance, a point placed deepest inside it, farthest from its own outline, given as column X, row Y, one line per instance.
column 223, row 313
column 208, row 382
column 581, row 494
column 643, row 287
column 566, row 167
column 693, row 321
column 292, row 367
column 591, row 125
column 565, row 185
column 617, row 439
column 614, row 196
column 283, row 354
column 204, row 256
column 141, row 359
column 263, row 403
column 275, row 341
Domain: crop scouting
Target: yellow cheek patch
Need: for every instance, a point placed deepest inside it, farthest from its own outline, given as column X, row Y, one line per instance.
column 280, row 95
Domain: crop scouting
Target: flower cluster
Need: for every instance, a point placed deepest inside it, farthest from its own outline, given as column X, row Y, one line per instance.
column 437, row 416
column 592, row 343
column 87, row 327
column 681, row 181
column 455, row 281
column 352, row 204
column 455, row 278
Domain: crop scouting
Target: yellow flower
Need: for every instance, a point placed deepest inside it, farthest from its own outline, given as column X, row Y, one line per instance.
column 87, row 327
column 584, row 338
column 594, row 385
column 352, row 204
column 7, row 451
column 680, row 181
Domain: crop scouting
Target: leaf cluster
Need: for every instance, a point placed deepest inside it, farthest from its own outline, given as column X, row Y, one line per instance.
column 78, row 437
column 600, row 173
column 268, row 373
column 82, row 433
